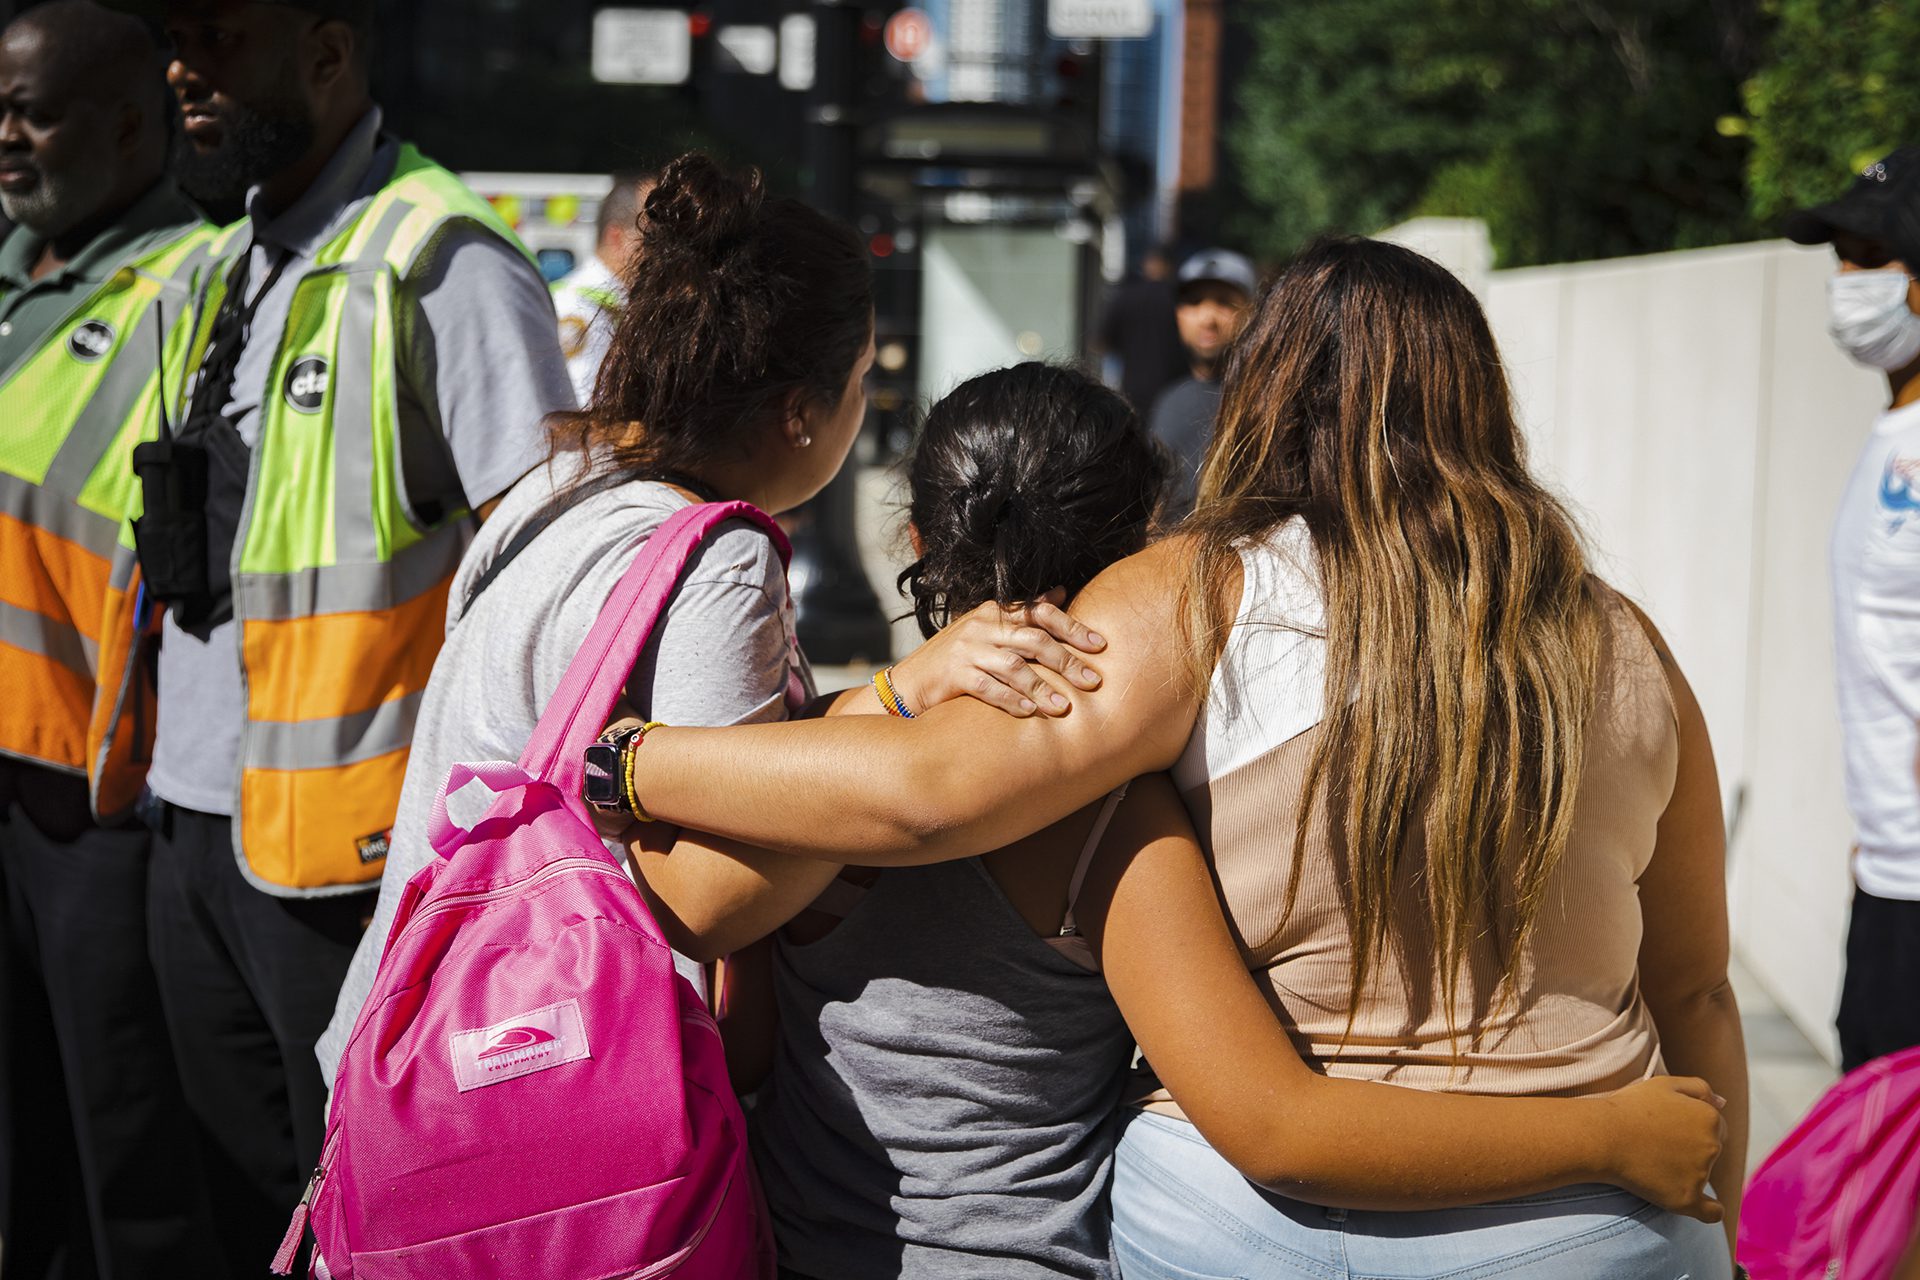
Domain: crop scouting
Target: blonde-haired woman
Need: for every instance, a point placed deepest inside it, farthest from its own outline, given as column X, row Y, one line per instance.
column 1457, row 800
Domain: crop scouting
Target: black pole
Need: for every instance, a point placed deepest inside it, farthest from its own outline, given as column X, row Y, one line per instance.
column 840, row 618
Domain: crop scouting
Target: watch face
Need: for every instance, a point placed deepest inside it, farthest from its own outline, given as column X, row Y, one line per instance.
column 601, row 785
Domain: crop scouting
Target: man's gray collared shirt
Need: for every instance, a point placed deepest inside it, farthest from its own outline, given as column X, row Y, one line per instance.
column 32, row 309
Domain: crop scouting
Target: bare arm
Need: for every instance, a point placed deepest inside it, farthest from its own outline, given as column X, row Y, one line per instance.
column 961, row 779
column 714, row 895
column 1150, row 911
column 1684, row 945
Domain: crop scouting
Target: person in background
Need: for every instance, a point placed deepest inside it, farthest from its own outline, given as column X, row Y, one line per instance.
column 1872, row 301
column 96, row 279
column 1138, row 331
column 588, row 298
column 1216, row 292
column 379, row 355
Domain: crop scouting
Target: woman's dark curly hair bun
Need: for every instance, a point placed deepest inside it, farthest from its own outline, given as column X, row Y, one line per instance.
column 1023, row 480
column 699, row 208
column 739, row 305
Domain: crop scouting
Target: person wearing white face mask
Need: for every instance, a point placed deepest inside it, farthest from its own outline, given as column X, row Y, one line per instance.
column 1873, row 305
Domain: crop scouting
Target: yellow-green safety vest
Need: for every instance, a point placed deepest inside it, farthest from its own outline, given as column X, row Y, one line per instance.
column 339, row 581
column 71, row 412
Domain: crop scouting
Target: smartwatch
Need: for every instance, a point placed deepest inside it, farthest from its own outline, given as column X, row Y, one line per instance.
column 604, row 783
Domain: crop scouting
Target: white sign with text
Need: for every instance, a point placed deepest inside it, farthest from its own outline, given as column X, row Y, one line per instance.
column 642, row 46
column 1099, row 19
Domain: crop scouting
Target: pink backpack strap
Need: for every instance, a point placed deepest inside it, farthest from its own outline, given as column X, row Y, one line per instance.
column 594, row 679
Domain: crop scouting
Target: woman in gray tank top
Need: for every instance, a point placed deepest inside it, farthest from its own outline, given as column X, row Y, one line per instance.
column 942, row 1095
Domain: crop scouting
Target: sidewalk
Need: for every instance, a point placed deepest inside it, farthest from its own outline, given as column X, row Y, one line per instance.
column 1784, row 1072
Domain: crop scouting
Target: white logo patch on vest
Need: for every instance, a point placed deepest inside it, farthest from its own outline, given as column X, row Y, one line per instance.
column 91, row 341
column 307, row 384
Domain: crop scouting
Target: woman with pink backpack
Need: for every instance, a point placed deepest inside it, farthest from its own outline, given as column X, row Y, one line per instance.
column 734, row 387
column 1454, row 797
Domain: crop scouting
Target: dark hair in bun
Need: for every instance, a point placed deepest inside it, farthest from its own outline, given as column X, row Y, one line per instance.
column 736, row 301
column 1023, row 480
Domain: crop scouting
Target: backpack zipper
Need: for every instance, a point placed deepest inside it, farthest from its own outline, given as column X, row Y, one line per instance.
column 671, row 1263
column 1839, row 1239
column 474, row 897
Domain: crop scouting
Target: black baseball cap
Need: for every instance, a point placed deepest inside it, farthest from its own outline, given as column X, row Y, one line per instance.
column 1882, row 204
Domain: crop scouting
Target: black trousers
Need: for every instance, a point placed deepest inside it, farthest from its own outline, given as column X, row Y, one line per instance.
column 248, row 982
column 1880, row 997
column 98, row 1161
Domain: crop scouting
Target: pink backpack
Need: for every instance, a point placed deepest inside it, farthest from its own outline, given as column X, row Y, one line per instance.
column 1836, row 1200
column 530, row 1089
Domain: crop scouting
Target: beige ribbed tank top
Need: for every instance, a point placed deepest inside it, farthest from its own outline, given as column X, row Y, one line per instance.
column 1579, row 1025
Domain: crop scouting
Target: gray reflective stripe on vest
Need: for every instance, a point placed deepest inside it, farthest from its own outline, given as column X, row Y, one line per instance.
column 355, row 537
column 120, row 576
column 38, row 634
column 375, row 251
column 134, row 364
column 60, row 516
column 328, row 744
column 354, row 588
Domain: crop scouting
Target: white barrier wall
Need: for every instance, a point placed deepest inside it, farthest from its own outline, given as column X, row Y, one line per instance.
column 1693, row 412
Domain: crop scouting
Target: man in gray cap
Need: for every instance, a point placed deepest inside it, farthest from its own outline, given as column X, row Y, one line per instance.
column 1873, row 314
column 1216, row 288
column 380, row 351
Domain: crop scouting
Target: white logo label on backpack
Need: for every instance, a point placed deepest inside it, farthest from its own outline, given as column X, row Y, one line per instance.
column 519, row 1046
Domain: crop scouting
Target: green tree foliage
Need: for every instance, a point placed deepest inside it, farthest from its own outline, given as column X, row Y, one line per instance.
column 1576, row 128
column 1839, row 90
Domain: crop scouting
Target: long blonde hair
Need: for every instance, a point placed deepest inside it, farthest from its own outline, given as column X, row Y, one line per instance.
column 1463, row 637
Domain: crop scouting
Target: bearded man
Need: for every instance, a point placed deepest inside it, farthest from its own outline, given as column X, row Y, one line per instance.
column 98, row 1163
column 379, row 353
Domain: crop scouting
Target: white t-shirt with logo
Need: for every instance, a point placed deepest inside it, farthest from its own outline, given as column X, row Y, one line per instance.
column 587, row 303
column 1876, row 641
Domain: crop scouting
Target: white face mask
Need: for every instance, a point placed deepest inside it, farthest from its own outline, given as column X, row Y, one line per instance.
column 1868, row 317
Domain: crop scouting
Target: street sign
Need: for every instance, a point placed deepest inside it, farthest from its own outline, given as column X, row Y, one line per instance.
column 796, row 52
column 642, row 46
column 909, row 32
column 1099, row 19
column 753, row 50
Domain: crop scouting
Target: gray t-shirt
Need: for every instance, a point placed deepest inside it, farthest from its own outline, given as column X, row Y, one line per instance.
column 724, row 653
column 480, row 366
column 1182, row 420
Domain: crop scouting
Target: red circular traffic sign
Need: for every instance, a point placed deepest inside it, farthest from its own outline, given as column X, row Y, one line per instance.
column 909, row 32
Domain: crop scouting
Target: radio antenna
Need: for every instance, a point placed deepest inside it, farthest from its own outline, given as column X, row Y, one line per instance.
column 160, row 363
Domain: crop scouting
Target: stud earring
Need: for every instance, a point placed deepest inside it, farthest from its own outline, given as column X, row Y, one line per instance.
column 804, row 441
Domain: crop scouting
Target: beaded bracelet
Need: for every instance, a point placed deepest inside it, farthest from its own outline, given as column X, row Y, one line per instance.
column 889, row 696
column 630, row 750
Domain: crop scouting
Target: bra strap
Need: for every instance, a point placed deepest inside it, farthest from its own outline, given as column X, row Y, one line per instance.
column 1068, row 928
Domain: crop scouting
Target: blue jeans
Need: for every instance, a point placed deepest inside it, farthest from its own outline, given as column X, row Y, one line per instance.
column 1180, row 1212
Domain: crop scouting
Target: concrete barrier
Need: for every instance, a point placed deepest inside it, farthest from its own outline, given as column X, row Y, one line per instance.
column 1693, row 412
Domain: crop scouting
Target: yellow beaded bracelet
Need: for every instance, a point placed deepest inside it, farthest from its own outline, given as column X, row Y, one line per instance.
column 633, row 749
column 889, row 696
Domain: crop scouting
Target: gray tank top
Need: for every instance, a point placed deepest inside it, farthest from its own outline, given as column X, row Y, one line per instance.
column 942, row 1103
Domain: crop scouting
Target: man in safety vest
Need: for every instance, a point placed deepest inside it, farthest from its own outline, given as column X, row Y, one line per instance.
column 589, row 298
column 375, row 357
column 96, row 283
